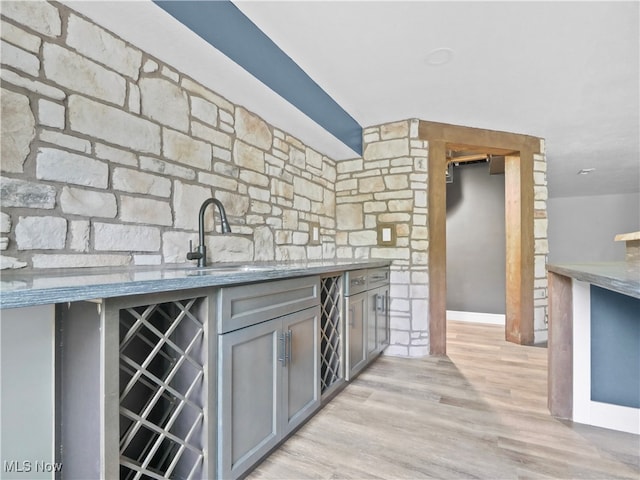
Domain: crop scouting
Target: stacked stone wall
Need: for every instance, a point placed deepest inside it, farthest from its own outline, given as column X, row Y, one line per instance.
column 389, row 186
column 540, row 226
column 107, row 154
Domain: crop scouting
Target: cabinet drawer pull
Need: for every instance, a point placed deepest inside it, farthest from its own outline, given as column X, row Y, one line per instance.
column 358, row 281
column 379, row 278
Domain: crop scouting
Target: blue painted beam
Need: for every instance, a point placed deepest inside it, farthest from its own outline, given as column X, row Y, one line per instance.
column 226, row 28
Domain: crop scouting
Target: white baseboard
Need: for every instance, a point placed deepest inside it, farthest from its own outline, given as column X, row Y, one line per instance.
column 476, row 317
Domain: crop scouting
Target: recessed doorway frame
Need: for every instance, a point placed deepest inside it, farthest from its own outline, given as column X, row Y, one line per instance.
column 518, row 150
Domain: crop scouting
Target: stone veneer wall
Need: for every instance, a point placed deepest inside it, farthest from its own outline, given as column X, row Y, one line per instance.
column 107, row 155
column 389, row 185
column 540, row 226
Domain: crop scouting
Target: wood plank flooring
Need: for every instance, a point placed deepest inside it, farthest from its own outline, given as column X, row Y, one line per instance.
column 480, row 412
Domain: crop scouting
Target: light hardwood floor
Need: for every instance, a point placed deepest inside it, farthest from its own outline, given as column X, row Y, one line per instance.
column 480, row 412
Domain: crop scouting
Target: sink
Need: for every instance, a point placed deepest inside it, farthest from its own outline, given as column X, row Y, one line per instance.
column 227, row 268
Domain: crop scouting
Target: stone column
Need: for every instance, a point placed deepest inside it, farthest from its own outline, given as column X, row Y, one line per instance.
column 389, row 186
column 540, row 290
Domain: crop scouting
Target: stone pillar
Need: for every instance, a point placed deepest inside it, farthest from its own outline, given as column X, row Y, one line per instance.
column 389, row 186
column 540, row 287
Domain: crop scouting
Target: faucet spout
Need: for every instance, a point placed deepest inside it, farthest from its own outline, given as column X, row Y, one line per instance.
column 201, row 254
column 224, row 224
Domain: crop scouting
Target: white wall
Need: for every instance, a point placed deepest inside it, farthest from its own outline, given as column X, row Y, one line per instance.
column 582, row 229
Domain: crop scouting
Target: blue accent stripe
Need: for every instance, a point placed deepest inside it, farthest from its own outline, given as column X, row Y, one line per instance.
column 225, row 27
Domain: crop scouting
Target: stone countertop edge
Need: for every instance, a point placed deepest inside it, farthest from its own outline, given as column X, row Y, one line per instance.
column 42, row 287
column 621, row 277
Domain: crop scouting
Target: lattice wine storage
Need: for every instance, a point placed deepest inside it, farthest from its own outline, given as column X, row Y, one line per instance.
column 163, row 392
column 330, row 348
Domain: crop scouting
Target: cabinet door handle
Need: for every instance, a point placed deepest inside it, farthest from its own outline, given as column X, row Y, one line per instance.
column 289, row 354
column 282, row 356
column 379, row 302
column 352, row 313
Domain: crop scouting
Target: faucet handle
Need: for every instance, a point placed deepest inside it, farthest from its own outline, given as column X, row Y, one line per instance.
column 191, row 255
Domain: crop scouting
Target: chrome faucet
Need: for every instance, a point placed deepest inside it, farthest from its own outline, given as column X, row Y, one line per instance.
column 201, row 253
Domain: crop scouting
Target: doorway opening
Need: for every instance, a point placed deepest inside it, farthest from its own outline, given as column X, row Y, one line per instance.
column 518, row 151
column 476, row 239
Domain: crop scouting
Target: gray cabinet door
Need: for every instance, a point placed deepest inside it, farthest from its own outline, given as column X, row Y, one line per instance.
column 269, row 384
column 373, row 308
column 301, row 375
column 380, row 310
column 356, row 331
column 249, row 395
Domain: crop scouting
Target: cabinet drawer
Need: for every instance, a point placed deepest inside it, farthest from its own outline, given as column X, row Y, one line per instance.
column 244, row 305
column 377, row 277
column 356, row 282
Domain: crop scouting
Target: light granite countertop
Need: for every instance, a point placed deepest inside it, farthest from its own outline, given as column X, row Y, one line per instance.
column 40, row 287
column 621, row 277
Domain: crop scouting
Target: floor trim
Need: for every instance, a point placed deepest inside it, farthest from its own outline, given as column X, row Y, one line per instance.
column 476, row 317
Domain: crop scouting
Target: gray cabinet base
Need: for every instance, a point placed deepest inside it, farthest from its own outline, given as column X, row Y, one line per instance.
column 269, row 384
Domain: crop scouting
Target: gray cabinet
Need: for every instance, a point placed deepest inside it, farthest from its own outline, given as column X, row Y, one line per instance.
column 269, row 372
column 378, row 319
column 367, row 317
column 378, row 316
column 198, row 383
column 356, row 333
column 249, row 403
column 301, row 376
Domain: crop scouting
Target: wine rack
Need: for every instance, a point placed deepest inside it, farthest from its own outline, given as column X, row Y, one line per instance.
column 163, row 358
column 330, row 338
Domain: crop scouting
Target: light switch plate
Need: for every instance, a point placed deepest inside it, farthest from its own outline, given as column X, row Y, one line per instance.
column 314, row 233
column 387, row 234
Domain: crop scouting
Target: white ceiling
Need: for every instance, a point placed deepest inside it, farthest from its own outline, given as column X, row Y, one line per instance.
column 565, row 71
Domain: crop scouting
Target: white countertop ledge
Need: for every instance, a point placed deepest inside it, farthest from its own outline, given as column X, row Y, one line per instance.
column 24, row 288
